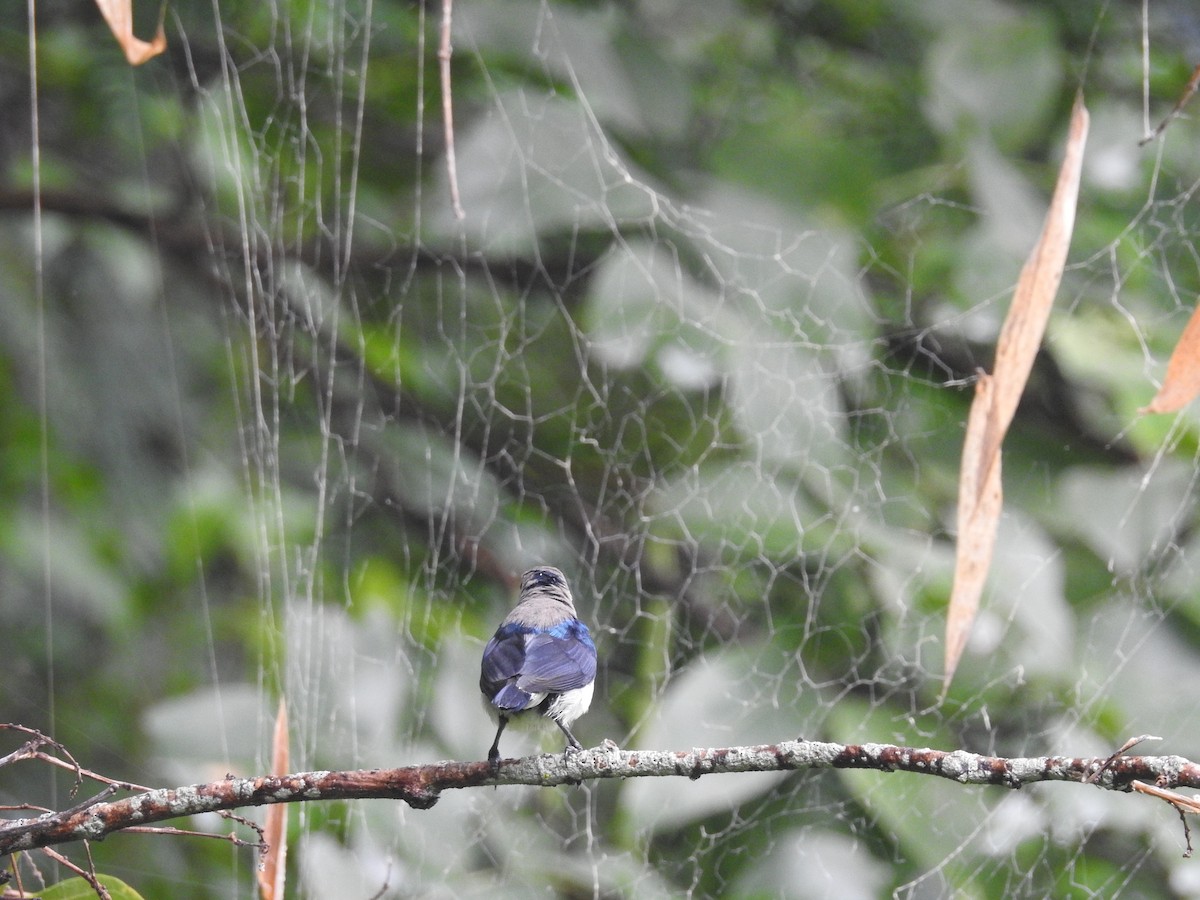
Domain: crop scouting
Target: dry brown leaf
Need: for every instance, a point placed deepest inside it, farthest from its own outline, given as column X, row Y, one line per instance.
column 980, row 496
column 1022, row 333
column 119, row 16
column 997, row 396
column 274, row 860
column 1182, row 383
column 1180, row 801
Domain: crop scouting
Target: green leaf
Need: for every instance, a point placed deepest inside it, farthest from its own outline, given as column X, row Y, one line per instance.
column 79, row 889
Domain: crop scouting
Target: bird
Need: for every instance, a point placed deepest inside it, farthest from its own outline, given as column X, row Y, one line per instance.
column 540, row 660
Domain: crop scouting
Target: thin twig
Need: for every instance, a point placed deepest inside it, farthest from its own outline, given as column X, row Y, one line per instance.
column 99, row 797
column 89, row 877
column 32, row 750
column 1182, row 806
column 88, row 773
column 171, row 831
column 387, row 882
column 1187, row 833
column 1188, row 90
column 231, row 816
column 1145, row 66
column 1094, row 777
column 445, row 52
column 1187, row 804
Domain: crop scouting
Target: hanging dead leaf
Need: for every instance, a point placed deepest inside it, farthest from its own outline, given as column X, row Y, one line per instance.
column 274, row 859
column 1022, row 333
column 980, row 496
column 997, row 396
column 1182, row 383
column 119, row 16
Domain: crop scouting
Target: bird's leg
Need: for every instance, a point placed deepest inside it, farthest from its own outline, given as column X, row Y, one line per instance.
column 494, row 753
column 571, row 741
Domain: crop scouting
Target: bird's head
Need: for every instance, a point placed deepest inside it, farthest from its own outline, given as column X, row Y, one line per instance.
column 549, row 583
column 543, row 576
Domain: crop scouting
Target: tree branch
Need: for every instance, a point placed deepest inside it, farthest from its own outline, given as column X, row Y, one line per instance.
column 421, row 786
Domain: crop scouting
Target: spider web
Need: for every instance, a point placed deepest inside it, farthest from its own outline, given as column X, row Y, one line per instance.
column 702, row 339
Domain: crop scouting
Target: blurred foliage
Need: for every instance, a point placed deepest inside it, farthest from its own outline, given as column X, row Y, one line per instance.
column 274, row 420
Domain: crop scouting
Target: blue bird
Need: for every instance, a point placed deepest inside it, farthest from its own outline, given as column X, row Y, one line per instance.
column 541, row 659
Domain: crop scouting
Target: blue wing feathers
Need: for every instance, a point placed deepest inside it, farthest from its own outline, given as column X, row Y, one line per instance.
column 521, row 661
column 511, row 697
column 502, row 659
column 556, row 664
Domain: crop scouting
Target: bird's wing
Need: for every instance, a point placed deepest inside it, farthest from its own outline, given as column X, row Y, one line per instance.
column 502, row 660
column 556, row 664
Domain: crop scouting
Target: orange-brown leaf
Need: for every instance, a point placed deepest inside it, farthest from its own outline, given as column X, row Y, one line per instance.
column 119, row 16
column 274, row 861
column 980, row 496
column 1025, row 325
column 997, row 396
column 1182, row 383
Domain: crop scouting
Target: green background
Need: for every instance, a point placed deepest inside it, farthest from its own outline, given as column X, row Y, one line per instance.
column 273, row 420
